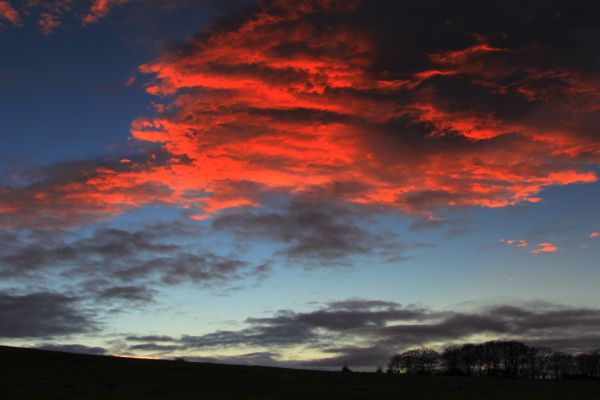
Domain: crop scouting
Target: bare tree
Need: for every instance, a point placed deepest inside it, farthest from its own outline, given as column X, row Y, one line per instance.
column 561, row 365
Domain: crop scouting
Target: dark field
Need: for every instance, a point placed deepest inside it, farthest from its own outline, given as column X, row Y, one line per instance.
column 35, row 374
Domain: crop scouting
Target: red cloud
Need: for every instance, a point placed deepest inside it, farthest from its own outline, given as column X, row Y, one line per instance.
column 48, row 21
column 242, row 122
column 594, row 235
column 49, row 15
column 9, row 14
column 52, row 14
column 76, row 195
column 294, row 99
column 99, row 9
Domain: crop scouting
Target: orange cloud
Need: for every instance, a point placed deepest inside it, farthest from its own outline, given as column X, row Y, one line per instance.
column 296, row 99
column 594, row 235
column 516, row 243
column 545, row 248
column 9, row 14
column 99, row 9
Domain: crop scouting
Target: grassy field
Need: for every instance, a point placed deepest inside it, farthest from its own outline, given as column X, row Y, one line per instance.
column 36, row 374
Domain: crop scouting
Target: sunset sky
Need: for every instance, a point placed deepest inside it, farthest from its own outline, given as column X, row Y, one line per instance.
column 304, row 183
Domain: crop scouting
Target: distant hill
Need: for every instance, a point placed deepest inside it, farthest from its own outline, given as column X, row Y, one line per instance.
column 31, row 374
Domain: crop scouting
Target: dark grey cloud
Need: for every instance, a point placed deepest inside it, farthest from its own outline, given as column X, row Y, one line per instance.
column 114, row 264
column 314, row 231
column 339, row 319
column 527, row 321
column 200, row 268
column 365, row 333
column 287, row 327
column 264, row 358
column 576, row 343
column 129, row 293
column 153, row 347
column 357, row 304
column 453, row 226
column 35, row 250
column 276, row 335
column 150, row 338
column 42, row 314
column 73, row 348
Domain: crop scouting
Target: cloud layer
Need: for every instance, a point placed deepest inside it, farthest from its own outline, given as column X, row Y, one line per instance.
column 111, row 266
column 367, row 332
column 336, row 98
column 356, row 332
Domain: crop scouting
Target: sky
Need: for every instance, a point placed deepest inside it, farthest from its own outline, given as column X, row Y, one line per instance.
column 308, row 184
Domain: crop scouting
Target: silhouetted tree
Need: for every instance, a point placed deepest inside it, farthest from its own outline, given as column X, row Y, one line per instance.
column 509, row 359
column 588, row 364
column 561, row 365
column 512, row 357
column 394, row 364
column 429, row 361
column 543, row 357
column 451, row 360
column 419, row 361
column 467, row 360
column 346, row 369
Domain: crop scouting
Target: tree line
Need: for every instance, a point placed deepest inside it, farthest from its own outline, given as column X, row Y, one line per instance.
column 508, row 359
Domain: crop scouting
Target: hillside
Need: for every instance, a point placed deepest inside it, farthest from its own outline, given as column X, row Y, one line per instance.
column 36, row 374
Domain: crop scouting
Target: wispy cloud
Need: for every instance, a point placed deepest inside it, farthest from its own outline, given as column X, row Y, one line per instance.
column 515, row 242
column 72, row 348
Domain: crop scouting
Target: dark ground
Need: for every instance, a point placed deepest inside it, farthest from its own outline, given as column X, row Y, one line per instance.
column 36, row 374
